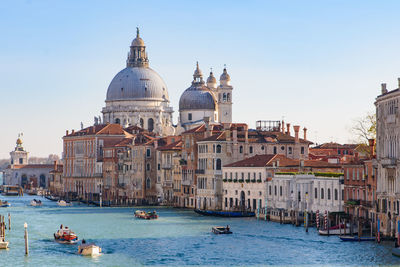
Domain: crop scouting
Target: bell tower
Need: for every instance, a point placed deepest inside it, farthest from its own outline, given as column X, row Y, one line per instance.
column 19, row 156
column 224, row 94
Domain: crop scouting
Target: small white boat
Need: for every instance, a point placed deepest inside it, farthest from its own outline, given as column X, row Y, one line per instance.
column 36, row 202
column 89, row 250
column 63, row 203
column 338, row 230
column 3, row 244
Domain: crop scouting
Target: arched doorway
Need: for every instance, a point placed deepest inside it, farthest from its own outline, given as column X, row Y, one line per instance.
column 242, row 201
column 150, row 125
column 24, row 180
column 117, row 121
column 42, row 181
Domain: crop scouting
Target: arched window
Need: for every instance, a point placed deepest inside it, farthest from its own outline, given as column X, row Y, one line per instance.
column 274, row 149
column 150, row 125
column 241, row 149
column 117, row 121
column 250, row 149
column 42, row 181
column 228, row 97
column 218, row 148
column 148, row 183
column 218, row 164
column 280, row 190
column 148, row 166
column 315, row 192
column 141, row 123
column 329, row 193
column 224, row 97
column 24, row 180
column 336, row 194
column 275, row 190
column 322, row 193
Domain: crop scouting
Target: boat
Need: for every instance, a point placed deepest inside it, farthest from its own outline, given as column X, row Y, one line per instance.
column 52, row 198
column 356, row 238
column 151, row 215
column 221, row 230
column 63, row 203
column 11, row 190
column 65, row 236
column 396, row 251
column 36, row 202
column 3, row 244
column 4, row 204
column 338, row 230
column 225, row 213
column 89, row 250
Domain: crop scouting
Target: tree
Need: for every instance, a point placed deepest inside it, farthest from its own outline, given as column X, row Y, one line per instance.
column 364, row 128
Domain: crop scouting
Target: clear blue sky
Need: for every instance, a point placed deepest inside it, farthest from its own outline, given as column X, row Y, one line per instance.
column 317, row 63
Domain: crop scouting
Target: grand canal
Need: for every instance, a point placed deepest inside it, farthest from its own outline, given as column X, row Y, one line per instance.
column 178, row 237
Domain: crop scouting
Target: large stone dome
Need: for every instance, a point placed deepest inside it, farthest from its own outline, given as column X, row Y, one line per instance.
column 197, row 97
column 137, row 83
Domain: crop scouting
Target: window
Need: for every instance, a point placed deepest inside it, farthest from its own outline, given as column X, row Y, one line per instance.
column 21, row 161
column 150, row 124
column 354, row 174
column 242, row 175
column 218, row 164
column 241, row 149
column 342, row 194
column 315, row 193
column 270, row 189
column 302, row 150
column 347, row 174
column 148, row 153
column 250, row 149
column 262, row 147
column 189, row 116
column 290, row 150
column 117, row 121
column 236, row 192
column 336, row 194
column 282, row 148
column 158, row 166
column 248, row 193
column 148, row 166
column 275, row 150
column 280, row 190
column 322, row 193
column 329, row 193
column 218, row 148
column 141, row 123
column 275, row 190
column 148, row 183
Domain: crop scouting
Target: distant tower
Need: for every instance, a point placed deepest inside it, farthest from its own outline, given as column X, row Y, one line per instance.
column 19, row 156
column 224, row 96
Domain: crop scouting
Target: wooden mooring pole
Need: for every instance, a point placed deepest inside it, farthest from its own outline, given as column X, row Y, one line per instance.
column 26, row 239
column 9, row 221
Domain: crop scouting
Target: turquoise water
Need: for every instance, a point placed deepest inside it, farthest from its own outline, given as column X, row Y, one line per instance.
column 178, row 237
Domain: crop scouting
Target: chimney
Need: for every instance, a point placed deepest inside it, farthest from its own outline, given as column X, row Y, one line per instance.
column 371, row 143
column 93, row 129
column 384, row 90
column 66, row 132
column 227, row 128
column 55, row 165
column 288, row 128
column 246, row 133
column 305, row 133
column 73, row 131
column 296, row 133
column 283, row 127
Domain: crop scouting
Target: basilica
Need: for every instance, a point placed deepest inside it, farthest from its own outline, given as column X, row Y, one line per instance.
column 138, row 96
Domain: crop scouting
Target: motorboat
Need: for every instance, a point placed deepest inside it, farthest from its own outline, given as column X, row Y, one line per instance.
column 52, row 198
column 89, row 250
column 338, row 230
column 36, row 202
column 357, row 238
column 65, row 236
column 219, row 230
column 4, row 244
column 64, row 203
column 396, row 251
column 4, row 204
column 151, row 215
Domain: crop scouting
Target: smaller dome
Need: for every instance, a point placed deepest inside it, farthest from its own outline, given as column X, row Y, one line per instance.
column 137, row 41
column 211, row 78
column 225, row 76
column 197, row 98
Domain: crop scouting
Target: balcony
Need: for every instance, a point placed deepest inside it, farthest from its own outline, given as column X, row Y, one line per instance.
column 167, row 184
column 187, row 182
column 198, row 171
column 386, row 162
column 166, row 166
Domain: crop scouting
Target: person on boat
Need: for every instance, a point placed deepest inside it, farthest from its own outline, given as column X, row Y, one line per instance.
column 227, row 228
column 83, row 241
column 396, row 244
column 61, row 226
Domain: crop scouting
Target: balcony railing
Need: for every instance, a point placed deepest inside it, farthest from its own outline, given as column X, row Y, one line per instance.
column 199, row 171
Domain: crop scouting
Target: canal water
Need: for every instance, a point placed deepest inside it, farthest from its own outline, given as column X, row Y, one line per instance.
column 178, row 237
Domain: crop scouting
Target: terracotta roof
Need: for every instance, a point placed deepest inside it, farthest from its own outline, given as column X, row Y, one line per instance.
column 332, row 145
column 173, row 146
column 255, row 161
column 100, row 129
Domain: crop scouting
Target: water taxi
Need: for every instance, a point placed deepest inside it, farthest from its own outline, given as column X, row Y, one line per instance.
column 36, row 202
column 89, row 249
column 65, row 236
column 219, row 230
column 4, row 204
column 63, row 203
column 151, row 215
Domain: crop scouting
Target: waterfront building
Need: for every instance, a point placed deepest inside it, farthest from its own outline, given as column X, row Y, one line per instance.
column 83, row 159
column 338, row 153
column 20, row 172
column 168, row 167
column 360, row 186
column 387, row 158
column 56, row 184
column 138, row 96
